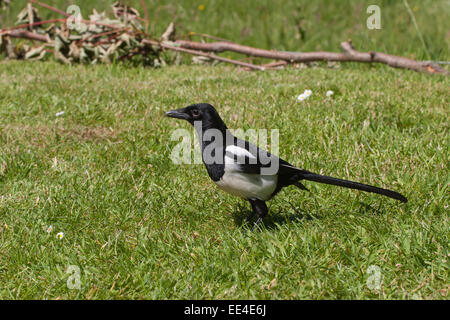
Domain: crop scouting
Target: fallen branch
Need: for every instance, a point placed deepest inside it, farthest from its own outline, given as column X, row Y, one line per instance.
column 24, row 34
column 203, row 54
column 390, row 60
column 124, row 37
column 349, row 55
column 24, row 26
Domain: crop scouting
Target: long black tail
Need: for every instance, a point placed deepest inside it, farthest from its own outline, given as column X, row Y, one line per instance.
column 352, row 185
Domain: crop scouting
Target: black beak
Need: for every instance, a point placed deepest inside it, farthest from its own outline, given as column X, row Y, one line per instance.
column 179, row 114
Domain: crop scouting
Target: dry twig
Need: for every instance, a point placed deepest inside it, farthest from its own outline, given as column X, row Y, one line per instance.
column 349, row 54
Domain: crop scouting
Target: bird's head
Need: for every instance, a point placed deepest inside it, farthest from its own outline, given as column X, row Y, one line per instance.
column 203, row 112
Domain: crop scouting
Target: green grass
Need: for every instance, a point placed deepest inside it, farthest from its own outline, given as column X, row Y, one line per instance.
column 139, row 226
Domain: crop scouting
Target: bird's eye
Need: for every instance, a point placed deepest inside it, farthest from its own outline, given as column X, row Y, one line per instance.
column 195, row 112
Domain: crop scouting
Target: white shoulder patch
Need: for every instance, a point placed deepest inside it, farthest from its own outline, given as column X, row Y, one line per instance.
column 239, row 152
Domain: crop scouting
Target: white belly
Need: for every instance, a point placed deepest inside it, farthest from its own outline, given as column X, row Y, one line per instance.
column 248, row 186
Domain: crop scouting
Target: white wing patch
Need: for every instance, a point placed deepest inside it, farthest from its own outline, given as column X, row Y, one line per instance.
column 239, row 155
column 238, row 151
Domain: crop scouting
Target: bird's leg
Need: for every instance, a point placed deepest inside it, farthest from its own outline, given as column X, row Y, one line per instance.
column 259, row 207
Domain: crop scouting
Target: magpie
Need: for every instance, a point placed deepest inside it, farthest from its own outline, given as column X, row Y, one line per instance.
column 244, row 170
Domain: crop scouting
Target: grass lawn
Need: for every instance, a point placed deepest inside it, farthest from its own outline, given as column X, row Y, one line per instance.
column 139, row 226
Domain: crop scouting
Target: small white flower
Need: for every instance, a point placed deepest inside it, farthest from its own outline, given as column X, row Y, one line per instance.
column 60, row 235
column 329, row 93
column 49, row 229
column 58, row 114
column 304, row 95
